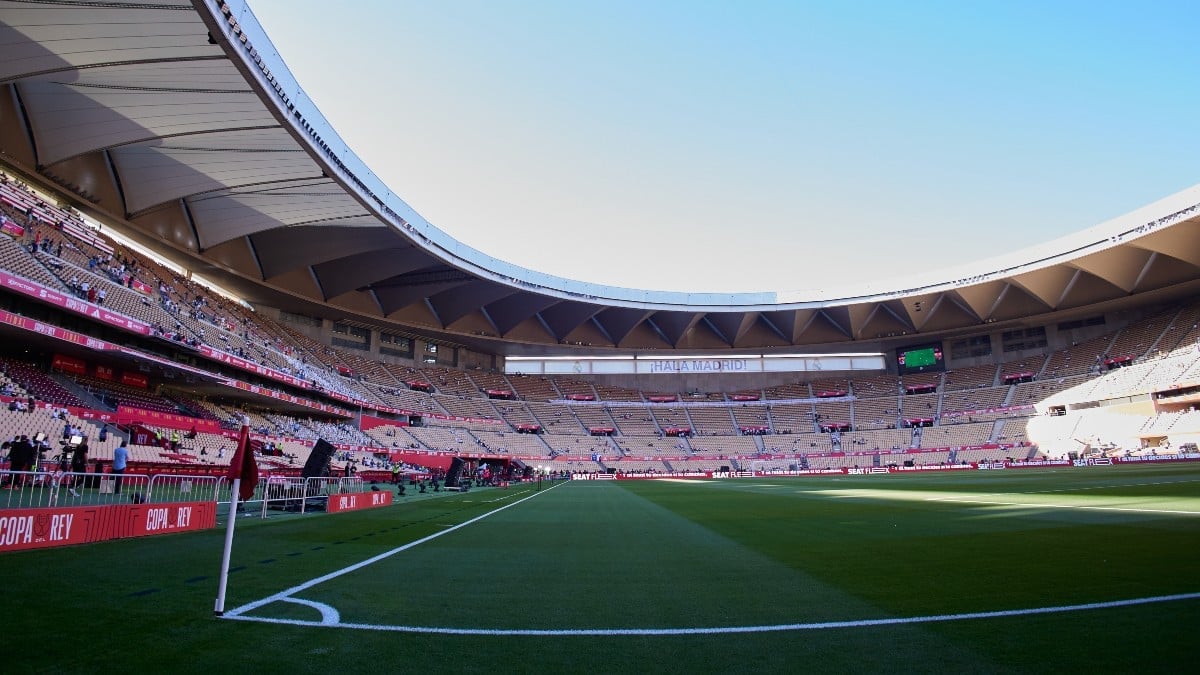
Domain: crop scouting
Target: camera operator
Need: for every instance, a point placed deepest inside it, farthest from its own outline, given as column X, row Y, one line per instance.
column 78, row 465
column 21, row 455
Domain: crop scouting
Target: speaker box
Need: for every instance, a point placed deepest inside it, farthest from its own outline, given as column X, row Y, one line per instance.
column 454, row 472
column 318, row 460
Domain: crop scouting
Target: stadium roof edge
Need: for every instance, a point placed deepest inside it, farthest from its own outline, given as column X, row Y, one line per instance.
column 311, row 229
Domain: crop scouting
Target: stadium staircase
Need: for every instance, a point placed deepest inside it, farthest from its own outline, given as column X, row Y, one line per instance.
column 89, row 399
column 1159, row 338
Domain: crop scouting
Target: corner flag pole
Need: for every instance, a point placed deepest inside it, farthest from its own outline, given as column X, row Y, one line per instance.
column 223, row 582
column 243, row 468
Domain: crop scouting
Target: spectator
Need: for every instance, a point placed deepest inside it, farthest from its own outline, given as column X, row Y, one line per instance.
column 120, row 461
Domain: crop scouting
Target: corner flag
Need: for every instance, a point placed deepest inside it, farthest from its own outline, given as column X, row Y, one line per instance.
column 243, row 465
column 243, row 471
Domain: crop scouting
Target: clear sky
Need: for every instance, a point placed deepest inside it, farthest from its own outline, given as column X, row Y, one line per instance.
column 755, row 146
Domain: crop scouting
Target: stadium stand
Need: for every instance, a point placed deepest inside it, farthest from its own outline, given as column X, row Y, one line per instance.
column 1019, row 407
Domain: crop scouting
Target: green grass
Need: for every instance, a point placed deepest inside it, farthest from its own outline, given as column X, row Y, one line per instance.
column 654, row 554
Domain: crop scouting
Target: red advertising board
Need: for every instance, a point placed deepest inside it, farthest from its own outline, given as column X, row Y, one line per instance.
column 154, row 418
column 250, row 366
column 71, row 303
column 368, row 422
column 353, row 501
column 135, row 380
column 23, row 529
column 55, row 332
column 69, row 364
column 264, row 391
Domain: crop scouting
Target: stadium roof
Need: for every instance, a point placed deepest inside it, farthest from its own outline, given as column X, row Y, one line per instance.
column 179, row 123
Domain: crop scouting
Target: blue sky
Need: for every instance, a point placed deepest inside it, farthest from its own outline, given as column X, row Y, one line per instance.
column 754, row 146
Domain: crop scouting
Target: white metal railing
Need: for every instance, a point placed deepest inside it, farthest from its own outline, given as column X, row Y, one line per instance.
column 33, row 489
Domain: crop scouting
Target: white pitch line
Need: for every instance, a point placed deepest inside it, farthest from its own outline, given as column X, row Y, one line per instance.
column 282, row 595
column 716, row 630
column 1130, row 509
column 1107, row 487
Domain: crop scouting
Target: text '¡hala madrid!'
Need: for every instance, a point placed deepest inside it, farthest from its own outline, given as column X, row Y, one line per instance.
column 699, row 366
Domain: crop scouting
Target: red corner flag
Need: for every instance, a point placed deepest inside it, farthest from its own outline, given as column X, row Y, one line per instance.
column 244, row 465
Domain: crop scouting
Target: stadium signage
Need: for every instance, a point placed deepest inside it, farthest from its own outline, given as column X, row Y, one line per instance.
column 1025, row 464
column 71, row 304
column 23, row 529
column 699, row 366
column 1183, row 456
column 55, row 332
column 355, row 501
column 263, row 391
column 250, row 366
column 131, row 415
column 658, row 365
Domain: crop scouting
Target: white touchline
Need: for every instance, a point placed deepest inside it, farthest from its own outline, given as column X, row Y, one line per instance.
column 821, row 625
column 369, row 561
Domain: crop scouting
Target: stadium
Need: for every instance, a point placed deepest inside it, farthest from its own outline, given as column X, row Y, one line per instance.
column 990, row 471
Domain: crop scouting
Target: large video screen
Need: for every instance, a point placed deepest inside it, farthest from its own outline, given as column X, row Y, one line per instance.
column 920, row 358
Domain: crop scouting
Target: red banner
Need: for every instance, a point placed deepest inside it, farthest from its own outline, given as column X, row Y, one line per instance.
column 55, row 332
column 135, row 380
column 69, row 364
column 71, row 303
column 22, row 529
column 263, row 391
column 238, row 362
column 456, row 418
column 949, row 414
column 141, row 287
column 12, row 228
column 130, row 415
column 104, row 373
column 368, row 422
column 353, row 501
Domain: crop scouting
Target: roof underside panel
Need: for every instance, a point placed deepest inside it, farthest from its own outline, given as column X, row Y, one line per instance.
column 305, row 245
column 453, row 304
column 351, row 271
column 674, row 325
column 228, row 214
column 730, row 325
column 509, row 312
column 169, row 170
column 564, row 317
column 62, row 36
column 72, row 118
column 617, row 322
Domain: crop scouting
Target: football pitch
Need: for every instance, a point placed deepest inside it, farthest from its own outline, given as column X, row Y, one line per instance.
column 1008, row 571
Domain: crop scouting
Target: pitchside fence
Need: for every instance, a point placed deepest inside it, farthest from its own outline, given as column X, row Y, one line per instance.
column 301, row 495
column 37, row 489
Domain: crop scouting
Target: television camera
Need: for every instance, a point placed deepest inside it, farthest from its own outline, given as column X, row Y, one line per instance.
column 69, row 447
